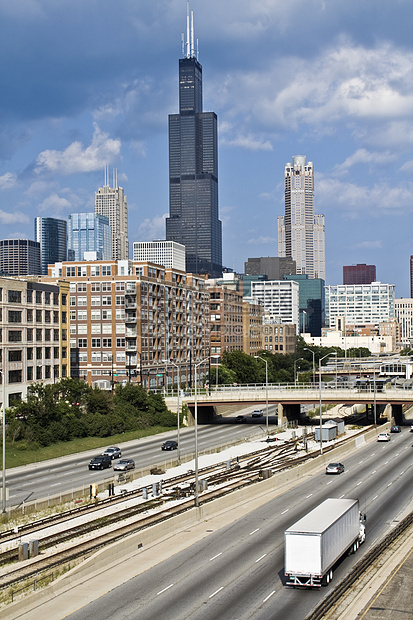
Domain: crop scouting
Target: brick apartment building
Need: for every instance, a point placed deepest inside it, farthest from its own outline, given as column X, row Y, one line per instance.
column 135, row 321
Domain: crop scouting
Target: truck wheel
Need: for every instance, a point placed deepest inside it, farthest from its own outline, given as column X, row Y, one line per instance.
column 331, row 575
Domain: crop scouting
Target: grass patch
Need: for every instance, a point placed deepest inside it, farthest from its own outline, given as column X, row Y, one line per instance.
column 23, row 455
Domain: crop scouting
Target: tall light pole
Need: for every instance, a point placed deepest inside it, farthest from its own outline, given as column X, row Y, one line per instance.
column 374, row 397
column 178, row 413
column 216, row 370
column 295, row 369
column 257, row 357
column 3, row 380
column 196, row 432
column 313, row 354
column 319, row 380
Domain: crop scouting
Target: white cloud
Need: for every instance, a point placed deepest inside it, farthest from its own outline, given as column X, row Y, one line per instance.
column 249, row 142
column 363, row 157
column 54, row 203
column 407, row 166
column 13, row 218
column 151, row 229
column 8, row 180
column 76, row 158
column 367, row 245
column 262, row 240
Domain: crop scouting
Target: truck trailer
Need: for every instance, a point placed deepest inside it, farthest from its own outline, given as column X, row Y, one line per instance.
column 318, row 540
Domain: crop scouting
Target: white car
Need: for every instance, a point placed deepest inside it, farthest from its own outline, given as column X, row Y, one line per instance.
column 383, row 437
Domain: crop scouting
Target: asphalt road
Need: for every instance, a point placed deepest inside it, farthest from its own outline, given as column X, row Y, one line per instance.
column 237, row 571
column 48, row 478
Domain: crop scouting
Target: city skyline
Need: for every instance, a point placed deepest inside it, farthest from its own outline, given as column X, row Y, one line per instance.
column 335, row 85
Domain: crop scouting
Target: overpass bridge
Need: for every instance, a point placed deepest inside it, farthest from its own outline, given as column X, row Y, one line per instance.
column 288, row 399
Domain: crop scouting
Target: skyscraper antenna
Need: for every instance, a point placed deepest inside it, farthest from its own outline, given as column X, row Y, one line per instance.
column 188, row 51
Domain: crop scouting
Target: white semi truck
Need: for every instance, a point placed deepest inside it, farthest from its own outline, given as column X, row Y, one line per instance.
column 317, row 541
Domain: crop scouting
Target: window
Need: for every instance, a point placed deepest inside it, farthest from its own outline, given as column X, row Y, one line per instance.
column 15, row 356
column 96, row 343
column 56, row 315
column 106, row 328
column 120, row 314
column 64, row 317
column 82, row 343
column 107, row 342
column 47, row 297
column 95, row 315
column 106, row 270
column 64, row 352
column 38, row 316
column 120, row 343
column 55, row 299
column 15, row 376
column 72, row 315
column 39, row 335
column 56, row 353
column 72, row 329
column 47, row 372
column 38, row 297
column 38, row 353
column 38, row 372
column 82, row 328
column 73, row 301
column 81, row 315
column 95, row 270
column 81, row 287
column 70, row 272
column 29, row 373
column 29, row 316
column 29, row 334
column 56, row 335
column 15, row 297
column 29, row 296
column 106, row 300
column 106, row 287
column 95, row 328
column 47, row 316
column 29, row 353
column 120, row 300
column 82, row 357
column 120, row 328
column 47, row 352
column 120, row 356
column 15, row 336
column 95, row 301
column 73, row 287
column 120, row 286
column 82, row 301
column 81, row 271
column 107, row 314
column 96, row 356
column 95, row 287
column 47, row 334
column 15, row 316
column 64, row 300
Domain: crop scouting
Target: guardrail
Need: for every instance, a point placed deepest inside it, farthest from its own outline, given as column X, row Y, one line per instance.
column 333, row 597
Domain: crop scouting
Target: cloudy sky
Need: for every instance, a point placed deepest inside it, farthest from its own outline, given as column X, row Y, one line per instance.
column 87, row 83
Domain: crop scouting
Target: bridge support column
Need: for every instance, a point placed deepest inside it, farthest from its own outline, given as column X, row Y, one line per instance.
column 280, row 415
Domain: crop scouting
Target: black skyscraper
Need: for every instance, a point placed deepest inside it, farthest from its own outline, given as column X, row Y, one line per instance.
column 193, row 172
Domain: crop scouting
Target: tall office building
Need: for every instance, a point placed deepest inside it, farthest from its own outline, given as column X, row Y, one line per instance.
column 193, row 171
column 88, row 232
column 51, row 233
column 167, row 253
column 20, row 257
column 300, row 230
column 111, row 202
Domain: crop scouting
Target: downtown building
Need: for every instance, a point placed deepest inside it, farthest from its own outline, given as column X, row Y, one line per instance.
column 88, row 232
column 34, row 334
column 20, row 257
column 112, row 203
column 193, row 171
column 167, row 253
column 51, row 233
column 359, row 304
column 134, row 321
column 279, row 299
column 301, row 235
column 359, row 274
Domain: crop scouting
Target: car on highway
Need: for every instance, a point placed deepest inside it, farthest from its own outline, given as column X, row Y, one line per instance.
column 257, row 413
column 411, row 428
column 241, row 418
column 169, row 445
column 124, row 465
column 335, row 468
column 113, row 452
column 383, row 437
column 103, row 461
column 395, row 429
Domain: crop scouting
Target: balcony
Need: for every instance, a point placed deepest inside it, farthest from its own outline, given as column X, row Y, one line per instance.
column 130, row 304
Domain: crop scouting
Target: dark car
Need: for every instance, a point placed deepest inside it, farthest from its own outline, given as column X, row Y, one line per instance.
column 241, row 418
column 395, row 429
column 335, row 468
column 170, row 445
column 124, row 465
column 101, row 462
column 113, row 452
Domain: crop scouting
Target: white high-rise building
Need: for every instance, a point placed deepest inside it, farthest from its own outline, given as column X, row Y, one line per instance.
column 359, row 304
column 170, row 254
column 279, row 298
column 301, row 235
column 111, row 202
column 403, row 309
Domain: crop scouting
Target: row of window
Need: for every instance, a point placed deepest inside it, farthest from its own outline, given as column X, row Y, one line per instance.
column 40, row 335
column 36, row 373
column 46, row 297
column 40, row 316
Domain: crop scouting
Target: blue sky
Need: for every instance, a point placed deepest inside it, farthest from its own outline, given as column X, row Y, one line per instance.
column 87, row 83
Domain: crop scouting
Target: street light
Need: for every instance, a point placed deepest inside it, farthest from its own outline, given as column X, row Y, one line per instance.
column 196, row 432
column 216, row 370
column 177, row 407
column 3, row 380
column 319, row 379
column 313, row 353
column 295, row 369
column 257, row 357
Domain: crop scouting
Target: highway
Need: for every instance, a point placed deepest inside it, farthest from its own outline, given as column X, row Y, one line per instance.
column 48, row 478
column 236, row 572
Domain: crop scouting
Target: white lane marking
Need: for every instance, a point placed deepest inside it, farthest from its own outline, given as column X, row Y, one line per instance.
column 374, row 471
column 358, row 483
column 397, row 454
column 165, row 589
column 390, row 483
column 307, row 496
column 329, row 482
column 269, row 596
column 284, row 511
column 253, row 531
column 375, row 497
column 360, row 462
column 215, row 556
column 216, row 592
column 341, row 496
column 263, row 556
column 55, row 485
column 386, row 462
column 373, row 454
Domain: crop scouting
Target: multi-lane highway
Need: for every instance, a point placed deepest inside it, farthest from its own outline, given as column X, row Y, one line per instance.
column 236, row 572
column 48, row 478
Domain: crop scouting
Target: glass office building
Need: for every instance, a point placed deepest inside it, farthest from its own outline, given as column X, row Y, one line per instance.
column 193, row 174
column 88, row 232
column 51, row 233
column 20, row 257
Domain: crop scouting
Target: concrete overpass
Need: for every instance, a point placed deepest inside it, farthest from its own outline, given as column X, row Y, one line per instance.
column 288, row 399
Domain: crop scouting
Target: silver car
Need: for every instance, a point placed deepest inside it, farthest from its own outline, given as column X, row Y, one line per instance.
column 124, row 465
column 335, row 468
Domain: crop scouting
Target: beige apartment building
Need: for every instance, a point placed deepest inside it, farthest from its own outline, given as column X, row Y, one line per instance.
column 252, row 316
column 226, row 319
column 34, row 334
column 135, row 321
column 278, row 337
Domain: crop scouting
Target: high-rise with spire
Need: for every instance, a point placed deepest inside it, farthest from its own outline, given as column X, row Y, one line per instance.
column 111, row 202
column 193, row 170
column 300, row 230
